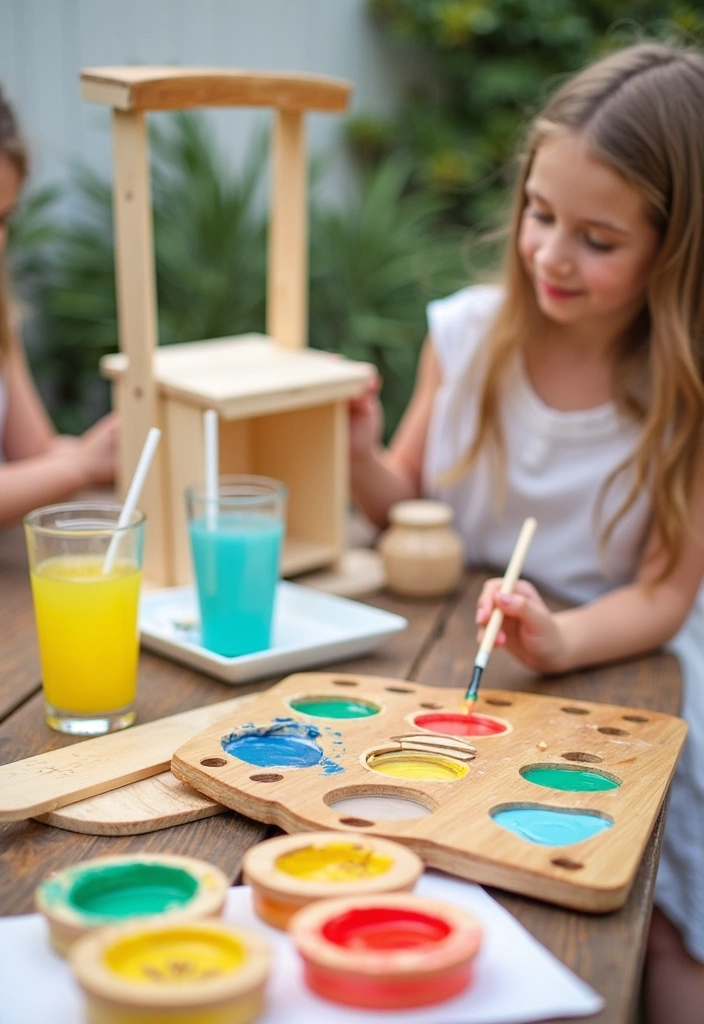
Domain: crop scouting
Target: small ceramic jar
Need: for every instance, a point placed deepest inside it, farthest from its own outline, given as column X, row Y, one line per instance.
column 422, row 554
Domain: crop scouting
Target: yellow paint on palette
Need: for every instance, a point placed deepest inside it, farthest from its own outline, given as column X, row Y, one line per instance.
column 334, row 862
column 417, row 767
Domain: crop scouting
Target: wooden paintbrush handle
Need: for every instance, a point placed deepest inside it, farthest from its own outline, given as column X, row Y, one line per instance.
column 513, row 571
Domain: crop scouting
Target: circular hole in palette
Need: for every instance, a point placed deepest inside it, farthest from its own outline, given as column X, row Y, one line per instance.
column 345, row 682
column 635, row 718
column 571, row 709
column 266, row 777
column 550, row 826
column 416, row 765
column 213, row 762
column 610, row 730
column 449, row 723
column 565, row 862
column 380, row 803
column 565, row 777
column 357, row 822
column 498, row 702
column 582, row 757
column 398, row 689
column 429, row 706
column 322, row 706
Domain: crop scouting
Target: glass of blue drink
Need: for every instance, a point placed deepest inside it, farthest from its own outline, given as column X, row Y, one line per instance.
column 236, row 537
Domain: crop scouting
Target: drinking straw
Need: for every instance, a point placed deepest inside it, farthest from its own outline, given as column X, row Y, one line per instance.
column 133, row 492
column 210, row 433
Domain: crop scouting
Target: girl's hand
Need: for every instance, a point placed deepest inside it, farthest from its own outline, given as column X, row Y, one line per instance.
column 96, row 451
column 529, row 631
column 366, row 419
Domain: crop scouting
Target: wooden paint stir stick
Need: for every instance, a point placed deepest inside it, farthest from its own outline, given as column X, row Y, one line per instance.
column 513, row 571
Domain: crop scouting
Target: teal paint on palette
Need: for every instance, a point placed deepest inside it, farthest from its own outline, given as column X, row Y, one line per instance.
column 549, row 826
column 335, row 707
column 237, row 568
column 284, row 743
column 113, row 893
column 574, row 780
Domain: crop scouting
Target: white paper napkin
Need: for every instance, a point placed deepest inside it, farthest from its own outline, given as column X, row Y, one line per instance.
column 516, row 980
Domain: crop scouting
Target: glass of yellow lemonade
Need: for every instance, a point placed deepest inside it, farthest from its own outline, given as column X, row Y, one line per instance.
column 86, row 573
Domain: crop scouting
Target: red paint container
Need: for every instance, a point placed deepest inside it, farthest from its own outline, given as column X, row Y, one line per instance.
column 386, row 953
column 451, row 724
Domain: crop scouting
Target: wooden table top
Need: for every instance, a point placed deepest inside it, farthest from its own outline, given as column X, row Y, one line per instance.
column 438, row 648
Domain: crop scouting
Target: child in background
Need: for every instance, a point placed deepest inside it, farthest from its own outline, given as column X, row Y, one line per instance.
column 575, row 393
column 37, row 467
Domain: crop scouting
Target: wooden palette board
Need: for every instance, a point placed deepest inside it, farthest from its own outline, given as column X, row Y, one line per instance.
column 637, row 748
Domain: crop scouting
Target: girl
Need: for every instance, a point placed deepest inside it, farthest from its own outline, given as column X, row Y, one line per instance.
column 575, row 393
column 36, row 466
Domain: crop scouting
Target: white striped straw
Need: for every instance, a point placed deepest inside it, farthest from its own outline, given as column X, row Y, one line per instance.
column 133, row 493
column 210, row 434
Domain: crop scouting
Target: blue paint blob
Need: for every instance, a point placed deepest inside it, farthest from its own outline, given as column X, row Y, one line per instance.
column 549, row 826
column 284, row 743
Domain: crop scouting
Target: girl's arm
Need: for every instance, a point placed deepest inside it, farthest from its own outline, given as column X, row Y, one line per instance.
column 625, row 622
column 381, row 476
column 42, row 467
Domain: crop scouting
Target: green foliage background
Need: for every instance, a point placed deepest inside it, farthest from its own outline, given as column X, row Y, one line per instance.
column 430, row 179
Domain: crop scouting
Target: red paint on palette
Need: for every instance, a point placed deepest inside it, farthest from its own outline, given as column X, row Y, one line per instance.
column 450, row 724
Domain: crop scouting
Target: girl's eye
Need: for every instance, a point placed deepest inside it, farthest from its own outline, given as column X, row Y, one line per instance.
column 540, row 215
column 595, row 243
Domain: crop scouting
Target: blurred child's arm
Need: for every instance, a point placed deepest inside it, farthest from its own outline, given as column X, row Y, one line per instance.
column 28, row 429
column 43, row 467
column 624, row 623
column 381, row 476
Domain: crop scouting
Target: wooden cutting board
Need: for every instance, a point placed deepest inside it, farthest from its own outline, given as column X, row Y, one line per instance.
column 145, row 806
column 40, row 784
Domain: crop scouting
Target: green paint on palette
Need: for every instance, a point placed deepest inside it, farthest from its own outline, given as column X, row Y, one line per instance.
column 334, row 707
column 574, row 780
column 130, row 890
column 549, row 826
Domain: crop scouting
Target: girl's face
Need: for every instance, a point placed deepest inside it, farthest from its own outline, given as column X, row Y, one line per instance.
column 9, row 192
column 585, row 239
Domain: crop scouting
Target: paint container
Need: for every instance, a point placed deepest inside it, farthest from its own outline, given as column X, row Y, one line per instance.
column 112, row 890
column 386, row 952
column 289, row 872
column 200, row 972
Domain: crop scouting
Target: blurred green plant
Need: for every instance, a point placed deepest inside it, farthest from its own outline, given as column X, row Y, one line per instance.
column 374, row 266
column 490, row 64
column 209, row 243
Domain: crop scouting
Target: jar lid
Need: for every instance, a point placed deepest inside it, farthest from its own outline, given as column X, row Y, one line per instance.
column 420, row 512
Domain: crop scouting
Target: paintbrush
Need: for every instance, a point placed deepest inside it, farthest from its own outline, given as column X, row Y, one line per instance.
column 513, row 571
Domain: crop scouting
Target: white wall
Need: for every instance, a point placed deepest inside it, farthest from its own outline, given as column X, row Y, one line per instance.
column 45, row 43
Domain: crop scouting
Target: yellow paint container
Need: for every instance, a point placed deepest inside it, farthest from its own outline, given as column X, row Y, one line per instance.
column 203, row 972
column 109, row 891
column 289, row 872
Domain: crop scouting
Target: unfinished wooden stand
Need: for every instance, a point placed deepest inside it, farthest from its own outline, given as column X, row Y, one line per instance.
column 281, row 406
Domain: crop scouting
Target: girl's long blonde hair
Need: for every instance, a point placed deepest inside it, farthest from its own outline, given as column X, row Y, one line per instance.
column 641, row 110
column 14, row 148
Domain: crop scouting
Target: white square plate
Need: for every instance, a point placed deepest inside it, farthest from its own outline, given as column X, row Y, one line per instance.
column 310, row 628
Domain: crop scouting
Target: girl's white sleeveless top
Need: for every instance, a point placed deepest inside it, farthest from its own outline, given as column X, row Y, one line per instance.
column 556, row 465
